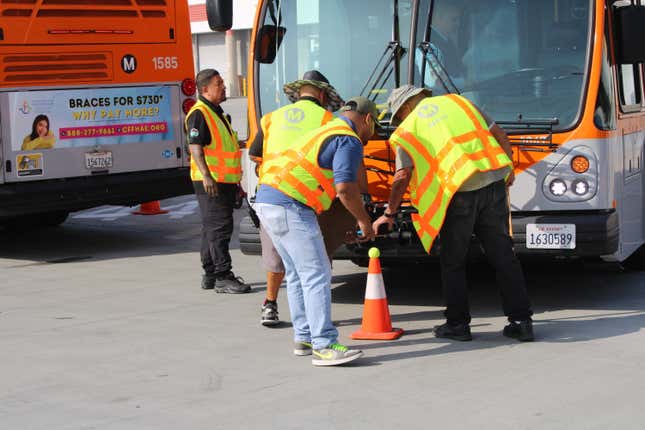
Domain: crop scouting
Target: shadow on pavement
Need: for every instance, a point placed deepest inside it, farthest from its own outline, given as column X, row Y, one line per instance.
column 100, row 239
column 611, row 302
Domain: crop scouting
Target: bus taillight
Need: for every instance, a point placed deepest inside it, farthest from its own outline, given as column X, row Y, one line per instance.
column 188, row 87
column 187, row 104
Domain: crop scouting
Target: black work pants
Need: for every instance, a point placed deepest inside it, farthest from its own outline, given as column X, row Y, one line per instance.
column 485, row 213
column 217, row 227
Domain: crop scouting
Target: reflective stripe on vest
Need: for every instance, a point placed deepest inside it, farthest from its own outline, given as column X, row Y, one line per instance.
column 223, row 154
column 296, row 171
column 285, row 125
column 448, row 141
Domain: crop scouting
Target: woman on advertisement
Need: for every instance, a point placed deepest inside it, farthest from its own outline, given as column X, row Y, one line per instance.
column 41, row 136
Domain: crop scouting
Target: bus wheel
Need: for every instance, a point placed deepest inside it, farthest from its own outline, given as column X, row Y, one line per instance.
column 636, row 261
column 249, row 237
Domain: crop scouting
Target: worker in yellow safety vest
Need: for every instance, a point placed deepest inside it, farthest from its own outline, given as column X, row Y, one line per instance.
column 313, row 101
column 298, row 183
column 457, row 163
column 216, row 173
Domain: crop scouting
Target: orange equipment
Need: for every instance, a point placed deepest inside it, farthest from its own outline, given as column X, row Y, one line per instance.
column 150, row 208
column 376, row 314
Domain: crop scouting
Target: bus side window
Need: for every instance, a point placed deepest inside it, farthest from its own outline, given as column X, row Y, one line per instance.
column 605, row 113
column 630, row 86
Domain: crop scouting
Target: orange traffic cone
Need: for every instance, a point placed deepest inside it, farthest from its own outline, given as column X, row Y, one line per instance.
column 150, row 208
column 376, row 314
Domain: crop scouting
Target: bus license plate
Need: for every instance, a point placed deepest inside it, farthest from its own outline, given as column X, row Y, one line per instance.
column 98, row 160
column 551, row 236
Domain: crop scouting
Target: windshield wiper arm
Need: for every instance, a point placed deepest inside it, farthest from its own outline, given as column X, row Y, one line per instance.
column 396, row 52
column 438, row 69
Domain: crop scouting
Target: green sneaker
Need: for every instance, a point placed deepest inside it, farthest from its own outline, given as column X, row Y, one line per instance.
column 334, row 355
column 301, row 348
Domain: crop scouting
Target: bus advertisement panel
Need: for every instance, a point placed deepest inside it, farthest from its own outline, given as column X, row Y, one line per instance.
column 90, row 117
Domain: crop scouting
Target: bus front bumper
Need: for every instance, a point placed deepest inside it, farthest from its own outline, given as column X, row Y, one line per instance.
column 597, row 234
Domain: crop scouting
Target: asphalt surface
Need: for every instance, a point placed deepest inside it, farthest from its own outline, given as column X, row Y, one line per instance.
column 103, row 325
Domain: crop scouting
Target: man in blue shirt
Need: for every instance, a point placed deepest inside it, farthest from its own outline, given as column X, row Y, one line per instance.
column 295, row 233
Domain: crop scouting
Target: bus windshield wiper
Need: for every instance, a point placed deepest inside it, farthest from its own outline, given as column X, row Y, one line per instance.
column 392, row 55
column 430, row 58
column 438, row 69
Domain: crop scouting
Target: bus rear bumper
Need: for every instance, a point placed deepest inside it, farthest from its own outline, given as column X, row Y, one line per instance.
column 73, row 194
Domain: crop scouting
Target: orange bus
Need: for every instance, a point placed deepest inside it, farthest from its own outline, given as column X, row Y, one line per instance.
column 563, row 77
column 93, row 96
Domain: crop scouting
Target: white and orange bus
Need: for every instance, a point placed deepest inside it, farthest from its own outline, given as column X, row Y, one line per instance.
column 563, row 77
column 92, row 100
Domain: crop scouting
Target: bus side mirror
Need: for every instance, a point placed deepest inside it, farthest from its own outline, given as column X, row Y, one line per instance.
column 220, row 14
column 629, row 30
column 268, row 42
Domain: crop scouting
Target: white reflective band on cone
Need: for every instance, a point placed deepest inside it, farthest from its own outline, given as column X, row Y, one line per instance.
column 375, row 288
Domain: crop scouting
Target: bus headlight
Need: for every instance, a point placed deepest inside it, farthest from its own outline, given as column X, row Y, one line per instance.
column 573, row 177
column 558, row 187
column 580, row 187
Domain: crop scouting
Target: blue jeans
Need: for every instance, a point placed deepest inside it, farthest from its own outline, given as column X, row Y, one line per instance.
column 296, row 236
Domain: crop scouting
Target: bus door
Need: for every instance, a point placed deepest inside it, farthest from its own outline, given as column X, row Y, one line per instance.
column 2, row 158
column 79, row 132
column 631, row 126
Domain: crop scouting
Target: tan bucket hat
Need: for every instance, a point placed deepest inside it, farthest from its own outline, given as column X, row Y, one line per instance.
column 318, row 80
column 402, row 94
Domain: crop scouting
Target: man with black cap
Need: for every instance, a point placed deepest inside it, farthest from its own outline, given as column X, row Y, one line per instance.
column 458, row 165
column 313, row 101
column 297, row 183
column 216, row 172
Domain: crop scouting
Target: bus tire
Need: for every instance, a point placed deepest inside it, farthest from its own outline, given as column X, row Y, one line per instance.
column 636, row 261
column 249, row 237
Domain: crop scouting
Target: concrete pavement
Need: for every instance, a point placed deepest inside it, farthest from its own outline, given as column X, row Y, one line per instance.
column 103, row 326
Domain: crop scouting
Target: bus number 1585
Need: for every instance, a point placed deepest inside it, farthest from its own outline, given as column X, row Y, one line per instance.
column 163, row 63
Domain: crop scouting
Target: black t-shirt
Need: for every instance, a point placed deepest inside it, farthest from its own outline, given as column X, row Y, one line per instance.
column 198, row 132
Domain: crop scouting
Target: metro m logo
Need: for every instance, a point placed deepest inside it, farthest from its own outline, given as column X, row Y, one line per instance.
column 294, row 115
column 128, row 63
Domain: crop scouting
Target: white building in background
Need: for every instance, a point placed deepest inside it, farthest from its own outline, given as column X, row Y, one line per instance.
column 224, row 52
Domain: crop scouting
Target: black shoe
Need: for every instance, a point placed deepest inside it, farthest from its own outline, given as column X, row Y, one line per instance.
column 270, row 314
column 520, row 330
column 456, row 332
column 208, row 281
column 231, row 284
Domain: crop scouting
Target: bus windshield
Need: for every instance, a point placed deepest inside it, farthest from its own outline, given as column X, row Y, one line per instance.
column 343, row 39
column 515, row 59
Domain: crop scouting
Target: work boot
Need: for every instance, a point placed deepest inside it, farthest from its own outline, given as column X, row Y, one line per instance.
column 334, row 355
column 208, row 281
column 301, row 348
column 270, row 314
column 520, row 330
column 231, row 284
column 456, row 332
